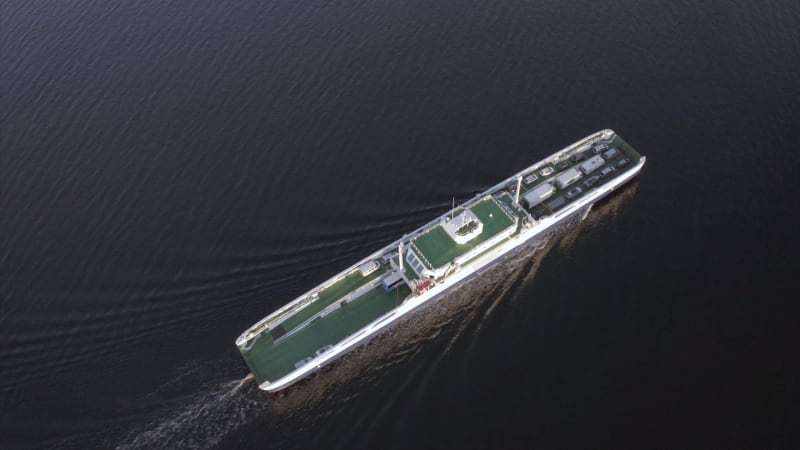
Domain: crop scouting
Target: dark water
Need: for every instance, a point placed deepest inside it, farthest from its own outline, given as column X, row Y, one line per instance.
column 170, row 172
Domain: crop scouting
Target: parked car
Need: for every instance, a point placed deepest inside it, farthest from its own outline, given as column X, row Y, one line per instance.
column 577, row 157
column 611, row 153
column 574, row 192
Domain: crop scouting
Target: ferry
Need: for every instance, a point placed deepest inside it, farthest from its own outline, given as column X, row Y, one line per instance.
column 373, row 294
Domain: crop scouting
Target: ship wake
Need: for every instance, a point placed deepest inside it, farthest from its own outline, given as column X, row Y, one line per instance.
column 202, row 420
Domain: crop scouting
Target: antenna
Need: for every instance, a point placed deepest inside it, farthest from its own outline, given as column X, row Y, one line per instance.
column 453, row 209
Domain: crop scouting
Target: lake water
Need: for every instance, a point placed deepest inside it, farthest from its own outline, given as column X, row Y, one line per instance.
column 171, row 172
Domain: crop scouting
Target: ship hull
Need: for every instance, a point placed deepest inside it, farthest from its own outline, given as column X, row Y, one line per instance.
column 496, row 251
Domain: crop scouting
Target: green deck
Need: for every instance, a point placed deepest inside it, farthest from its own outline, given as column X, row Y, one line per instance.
column 269, row 361
column 438, row 248
column 331, row 294
column 509, row 202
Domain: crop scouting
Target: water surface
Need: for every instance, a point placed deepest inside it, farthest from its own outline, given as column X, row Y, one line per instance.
column 171, row 173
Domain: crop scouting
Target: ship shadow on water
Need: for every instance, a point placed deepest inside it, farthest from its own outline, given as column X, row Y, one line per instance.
column 601, row 213
column 398, row 363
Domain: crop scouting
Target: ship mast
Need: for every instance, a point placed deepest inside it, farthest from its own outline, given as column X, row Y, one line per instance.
column 519, row 187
